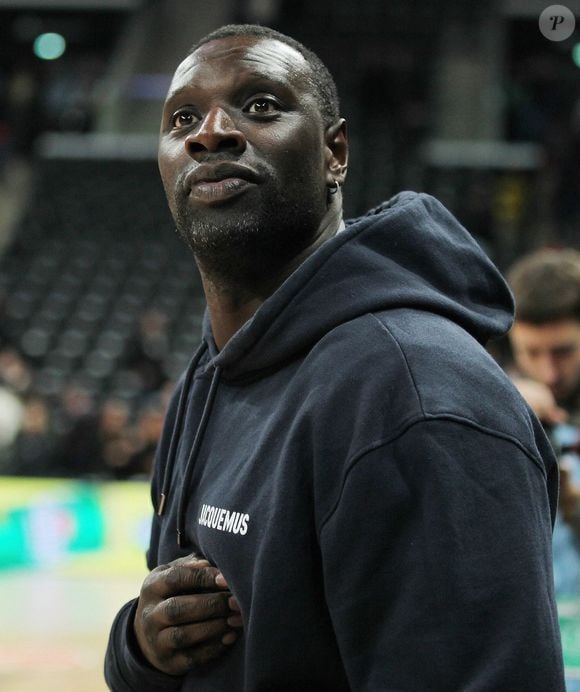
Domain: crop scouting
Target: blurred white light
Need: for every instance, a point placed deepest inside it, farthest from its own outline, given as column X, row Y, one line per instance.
column 49, row 46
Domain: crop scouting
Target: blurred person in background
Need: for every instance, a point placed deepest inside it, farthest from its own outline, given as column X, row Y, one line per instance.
column 113, row 437
column 349, row 493
column 15, row 372
column 36, row 449
column 77, row 422
column 147, row 350
column 140, row 441
column 74, row 404
column 545, row 337
column 129, row 440
column 149, row 427
column 545, row 341
column 97, row 442
column 20, row 416
column 111, row 441
column 11, row 416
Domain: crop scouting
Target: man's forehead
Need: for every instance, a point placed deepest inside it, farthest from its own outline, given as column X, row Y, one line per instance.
column 548, row 334
column 261, row 54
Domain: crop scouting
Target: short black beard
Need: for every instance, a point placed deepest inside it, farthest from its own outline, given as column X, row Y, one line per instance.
column 245, row 250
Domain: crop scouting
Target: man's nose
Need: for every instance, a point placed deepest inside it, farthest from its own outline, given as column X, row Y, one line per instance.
column 217, row 132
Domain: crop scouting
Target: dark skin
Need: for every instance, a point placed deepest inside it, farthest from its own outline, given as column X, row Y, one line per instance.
column 249, row 102
column 186, row 616
column 247, row 163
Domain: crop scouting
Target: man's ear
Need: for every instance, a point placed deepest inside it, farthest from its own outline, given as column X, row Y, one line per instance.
column 336, row 153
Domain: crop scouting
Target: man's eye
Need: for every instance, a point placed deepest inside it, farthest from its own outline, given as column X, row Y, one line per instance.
column 564, row 351
column 262, row 106
column 182, row 119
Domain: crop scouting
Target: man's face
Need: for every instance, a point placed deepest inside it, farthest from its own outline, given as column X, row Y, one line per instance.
column 242, row 150
column 550, row 354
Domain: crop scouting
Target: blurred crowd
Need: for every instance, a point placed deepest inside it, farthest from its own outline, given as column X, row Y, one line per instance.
column 78, row 432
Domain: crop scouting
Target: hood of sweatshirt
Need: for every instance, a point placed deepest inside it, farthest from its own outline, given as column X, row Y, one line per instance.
column 408, row 252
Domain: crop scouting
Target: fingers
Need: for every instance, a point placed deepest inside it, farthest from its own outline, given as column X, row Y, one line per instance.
column 235, row 618
column 555, row 415
column 542, row 401
column 184, row 576
column 185, row 615
column 188, row 636
column 177, row 610
column 549, row 412
column 183, row 648
column 185, row 644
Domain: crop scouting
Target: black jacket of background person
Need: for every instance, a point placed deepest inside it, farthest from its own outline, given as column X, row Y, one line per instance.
column 374, row 490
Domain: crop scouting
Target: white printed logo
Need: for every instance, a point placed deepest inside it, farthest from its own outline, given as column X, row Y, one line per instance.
column 223, row 520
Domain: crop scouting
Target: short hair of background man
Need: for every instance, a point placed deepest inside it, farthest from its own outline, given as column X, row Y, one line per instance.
column 546, row 286
column 324, row 86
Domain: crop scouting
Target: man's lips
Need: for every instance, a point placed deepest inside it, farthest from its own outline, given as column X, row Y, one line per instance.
column 217, row 182
column 209, row 174
column 219, row 190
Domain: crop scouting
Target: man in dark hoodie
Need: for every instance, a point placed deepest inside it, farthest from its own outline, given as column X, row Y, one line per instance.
column 349, row 493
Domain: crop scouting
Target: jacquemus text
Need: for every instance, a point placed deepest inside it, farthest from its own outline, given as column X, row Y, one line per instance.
column 223, row 520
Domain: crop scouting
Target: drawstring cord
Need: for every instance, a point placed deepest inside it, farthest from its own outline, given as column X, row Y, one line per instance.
column 178, row 426
column 184, row 497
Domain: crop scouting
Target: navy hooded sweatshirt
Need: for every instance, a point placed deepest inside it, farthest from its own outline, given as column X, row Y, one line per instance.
column 376, row 493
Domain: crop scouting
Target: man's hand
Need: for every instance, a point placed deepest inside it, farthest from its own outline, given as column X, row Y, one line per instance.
column 186, row 616
column 541, row 400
